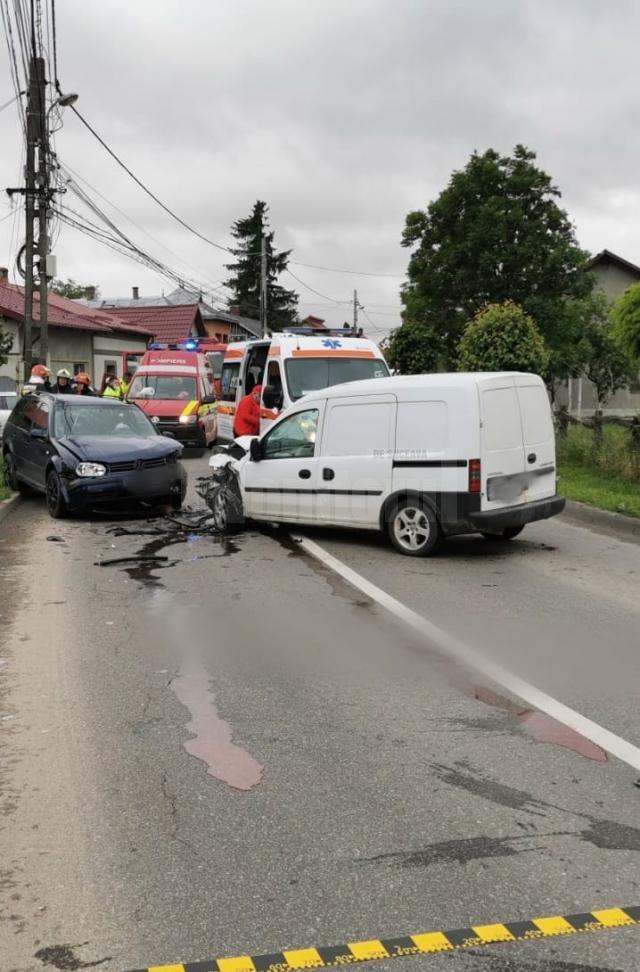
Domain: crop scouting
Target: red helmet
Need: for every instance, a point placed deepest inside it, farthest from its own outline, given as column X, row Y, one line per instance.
column 82, row 378
column 40, row 371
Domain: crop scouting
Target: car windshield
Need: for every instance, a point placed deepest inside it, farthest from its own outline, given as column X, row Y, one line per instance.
column 164, row 387
column 305, row 375
column 96, row 419
column 7, row 401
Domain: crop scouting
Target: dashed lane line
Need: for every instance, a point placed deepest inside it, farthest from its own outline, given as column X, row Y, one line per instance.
column 423, row 943
column 607, row 740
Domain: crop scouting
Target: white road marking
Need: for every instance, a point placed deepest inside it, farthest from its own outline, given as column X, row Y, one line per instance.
column 473, row 659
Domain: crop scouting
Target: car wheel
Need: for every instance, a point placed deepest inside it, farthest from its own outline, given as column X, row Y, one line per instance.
column 11, row 480
column 413, row 528
column 226, row 506
column 55, row 500
column 509, row 533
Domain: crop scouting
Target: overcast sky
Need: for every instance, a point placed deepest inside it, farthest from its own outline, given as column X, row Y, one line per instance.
column 343, row 115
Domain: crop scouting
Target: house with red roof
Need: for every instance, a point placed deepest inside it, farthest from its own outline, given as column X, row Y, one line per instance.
column 168, row 324
column 80, row 338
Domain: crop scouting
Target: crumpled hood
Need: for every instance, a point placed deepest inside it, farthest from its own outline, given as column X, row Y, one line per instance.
column 115, row 448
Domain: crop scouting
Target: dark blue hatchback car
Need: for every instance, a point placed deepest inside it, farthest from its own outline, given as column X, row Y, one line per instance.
column 88, row 453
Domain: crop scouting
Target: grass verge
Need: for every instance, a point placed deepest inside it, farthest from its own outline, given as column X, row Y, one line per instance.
column 598, row 488
column 4, row 492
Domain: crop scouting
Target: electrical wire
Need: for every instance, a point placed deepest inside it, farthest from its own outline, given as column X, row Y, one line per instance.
column 196, row 232
column 356, row 273
column 334, row 300
column 67, row 172
column 152, row 195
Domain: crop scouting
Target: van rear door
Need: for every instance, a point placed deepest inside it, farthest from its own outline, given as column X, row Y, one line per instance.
column 518, row 457
column 538, row 436
column 502, row 459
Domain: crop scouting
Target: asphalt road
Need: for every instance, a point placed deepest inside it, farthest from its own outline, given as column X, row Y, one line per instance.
column 232, row 751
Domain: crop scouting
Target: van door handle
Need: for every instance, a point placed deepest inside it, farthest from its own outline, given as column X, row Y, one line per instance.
column 305, row 474
column 531, row 457
column 328, row 474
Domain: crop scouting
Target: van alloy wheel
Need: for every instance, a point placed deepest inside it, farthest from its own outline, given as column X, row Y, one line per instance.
column 413, row 528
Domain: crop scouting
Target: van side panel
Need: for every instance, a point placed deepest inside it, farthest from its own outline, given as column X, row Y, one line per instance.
column 435, row 439
column 354, row 475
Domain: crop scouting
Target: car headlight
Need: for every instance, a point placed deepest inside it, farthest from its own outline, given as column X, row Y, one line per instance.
column 85, row 469
column 188, row 419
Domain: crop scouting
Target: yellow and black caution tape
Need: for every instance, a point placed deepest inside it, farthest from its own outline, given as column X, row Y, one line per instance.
column 424, row 943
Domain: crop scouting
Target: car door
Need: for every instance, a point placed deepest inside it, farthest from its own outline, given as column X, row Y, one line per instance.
column 19, row 437
column 356, row 458
column 40, row 447
column 281, row 485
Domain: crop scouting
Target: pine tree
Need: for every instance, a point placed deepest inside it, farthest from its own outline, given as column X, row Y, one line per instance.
column 244, row 282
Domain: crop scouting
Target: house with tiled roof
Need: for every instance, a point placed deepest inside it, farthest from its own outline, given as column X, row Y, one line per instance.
column 80, row 338
column 166, row 324
column 223, row 325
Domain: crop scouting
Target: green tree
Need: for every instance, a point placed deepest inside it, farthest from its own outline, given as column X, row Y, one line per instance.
column 625, row 317
column 6, row 343
column 502, row 338
column 496, row 233
column 416, row 349
column 608, row 364
column 244, row 282
column 71, row 289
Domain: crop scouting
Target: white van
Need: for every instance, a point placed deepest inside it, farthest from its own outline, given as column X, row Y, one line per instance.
column 289, row 365
column 420, row 457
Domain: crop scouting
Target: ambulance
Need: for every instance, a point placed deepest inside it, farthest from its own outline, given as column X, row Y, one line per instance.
column 289, row 365
column 174, row 387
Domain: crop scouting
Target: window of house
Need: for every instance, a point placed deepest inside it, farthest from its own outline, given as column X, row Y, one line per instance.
column 79, row 366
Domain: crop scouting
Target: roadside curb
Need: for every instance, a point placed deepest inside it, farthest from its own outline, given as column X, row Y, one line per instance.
column 626, row 526
column 7, row 505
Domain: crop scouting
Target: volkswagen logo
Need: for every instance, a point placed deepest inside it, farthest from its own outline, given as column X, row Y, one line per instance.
column 155, row 419
column 138, row 464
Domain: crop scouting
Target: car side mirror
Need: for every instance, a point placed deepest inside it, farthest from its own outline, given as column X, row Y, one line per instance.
column 271, row 397
column 38, row 433
column 255, row 450
column 209, row 400
column 168, row 435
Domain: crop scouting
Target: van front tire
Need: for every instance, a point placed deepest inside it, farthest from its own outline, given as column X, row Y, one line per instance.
column 413, row 528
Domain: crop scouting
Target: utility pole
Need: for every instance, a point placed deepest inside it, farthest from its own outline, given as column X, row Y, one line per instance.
column 36, row 187
column 263, row 285
column 355, row 313
column 43, row 214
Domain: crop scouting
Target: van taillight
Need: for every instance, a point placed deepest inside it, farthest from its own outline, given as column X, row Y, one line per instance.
column 474, row 476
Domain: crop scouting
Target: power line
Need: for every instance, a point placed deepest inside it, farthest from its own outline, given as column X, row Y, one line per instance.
column 66, row 169
column 333, row 300
column 152, row 195
column 356, row 273
column 196, row 232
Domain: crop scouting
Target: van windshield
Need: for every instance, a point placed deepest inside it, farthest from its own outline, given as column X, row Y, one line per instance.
column 306, row 375
column 164, row 387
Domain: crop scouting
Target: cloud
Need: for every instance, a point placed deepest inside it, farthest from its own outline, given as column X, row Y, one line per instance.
column 343, row 116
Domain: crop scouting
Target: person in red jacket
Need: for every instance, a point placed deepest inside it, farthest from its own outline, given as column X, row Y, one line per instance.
column 247, row 421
